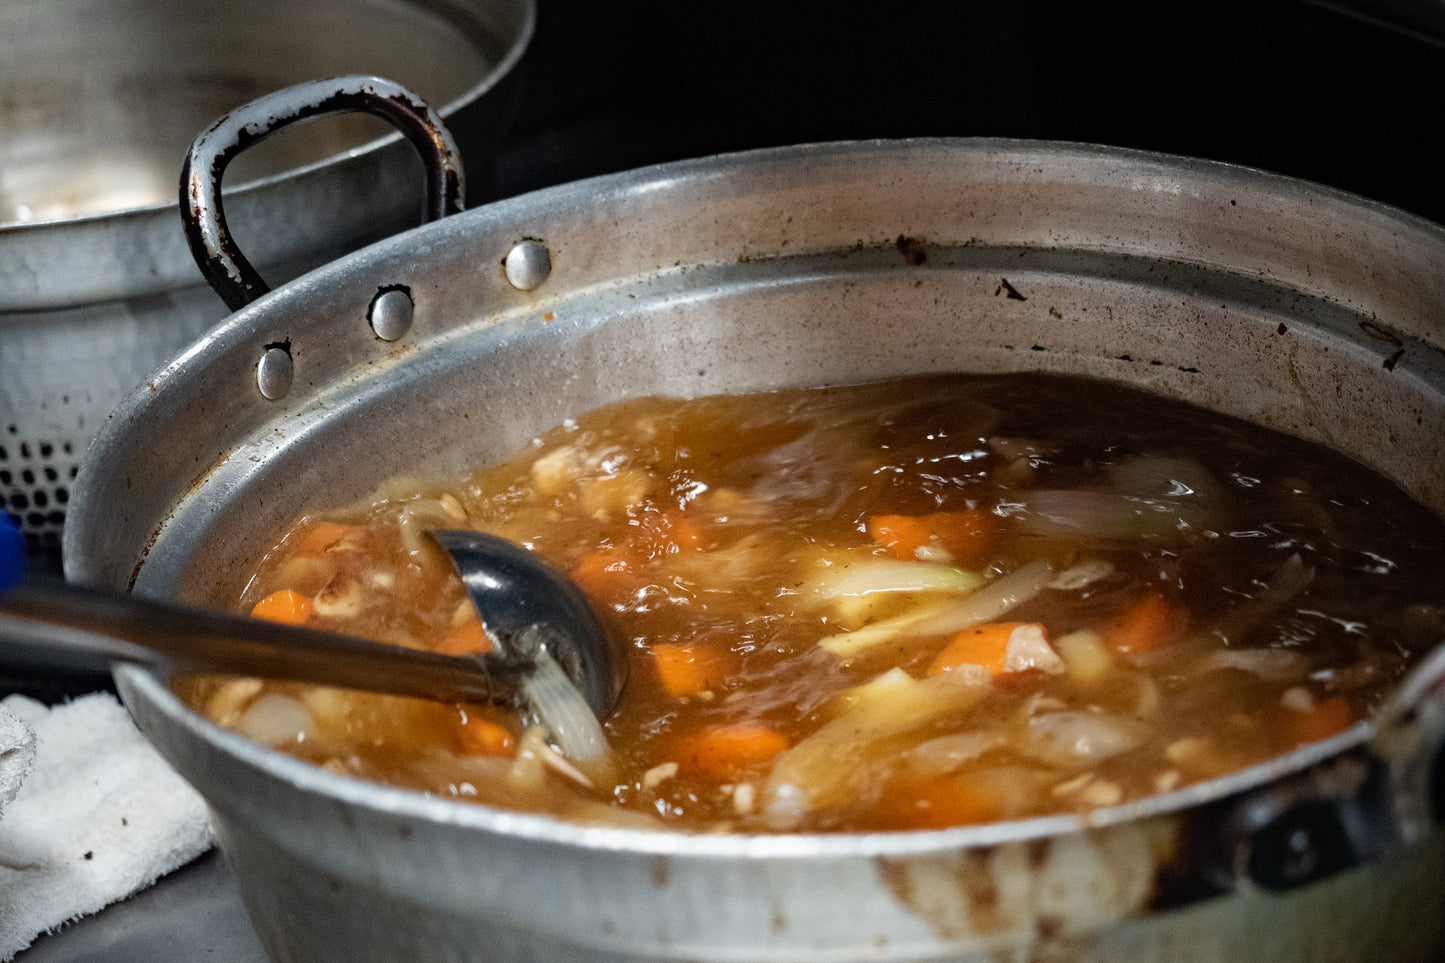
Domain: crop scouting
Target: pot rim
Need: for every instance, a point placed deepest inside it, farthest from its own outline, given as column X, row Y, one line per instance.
column 407, row 804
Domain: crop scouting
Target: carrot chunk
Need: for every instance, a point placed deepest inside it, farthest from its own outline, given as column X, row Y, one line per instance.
column 283, row 606
column 686, row 670
column 965, row 536
column 722, row 752
column 468, row 638
column 938, row 802
column 985, row 645
column 1142, row 627
column 323, row 536
column 674, row 532
column 482, row 737
column 1325, row 718
column 599, row 570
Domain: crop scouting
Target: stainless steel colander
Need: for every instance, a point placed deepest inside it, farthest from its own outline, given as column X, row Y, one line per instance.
column 97, row 287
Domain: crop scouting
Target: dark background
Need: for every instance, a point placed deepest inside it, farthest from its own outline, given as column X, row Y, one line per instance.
column 1347, row 96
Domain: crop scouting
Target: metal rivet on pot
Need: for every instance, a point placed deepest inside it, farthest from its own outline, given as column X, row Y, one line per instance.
column 274, row 372
column 528, row 264
column 391, row 313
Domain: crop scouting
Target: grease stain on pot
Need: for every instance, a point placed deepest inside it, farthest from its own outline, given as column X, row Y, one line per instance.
column 957, row 894
column 661, row 869
column 1378, row 333
column 1005, row 288
column 912, row 250
column 1032, row 894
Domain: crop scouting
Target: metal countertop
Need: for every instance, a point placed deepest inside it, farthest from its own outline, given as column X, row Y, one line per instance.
column 192, row 915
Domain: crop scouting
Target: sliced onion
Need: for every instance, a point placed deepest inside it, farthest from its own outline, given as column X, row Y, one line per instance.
column 1287, row 582
column 842, row 760
column 991, row 601
column 1028, row 649
column 1082, row 575
column 892, row 575
column 1160, row 476
column 1072, row 512
column 848, row 644
column 1278, row 665
column 275, row 720
column 1078, row 738
column 416, row 520
column 558, row 706
column 879, row 686
column 947, row 753
column 527, row 771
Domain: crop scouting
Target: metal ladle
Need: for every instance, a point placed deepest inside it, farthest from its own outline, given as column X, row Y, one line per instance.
column 553, row 661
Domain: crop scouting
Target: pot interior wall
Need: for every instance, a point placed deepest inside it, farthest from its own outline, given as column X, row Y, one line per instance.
column 829, row 320
column 141, row 79
column 681, row 281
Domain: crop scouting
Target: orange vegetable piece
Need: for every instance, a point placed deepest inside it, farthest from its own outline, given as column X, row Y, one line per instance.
column 679, row 532
column 323, row 536
column 964, row 535
column 283, row 606
column 598, row 571
column 942, row 801
column 1142, row 628
column 686, row 670
column 477, row 736
column 722, row 752
column 1325, row 718
column 985, row 645
column 468, row 638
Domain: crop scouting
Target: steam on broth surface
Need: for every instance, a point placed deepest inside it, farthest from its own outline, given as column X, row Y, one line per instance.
column 925, row 602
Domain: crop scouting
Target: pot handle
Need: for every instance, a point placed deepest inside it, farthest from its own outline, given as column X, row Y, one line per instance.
column 1348, row 809
column 1410, row 739
column 211, row 243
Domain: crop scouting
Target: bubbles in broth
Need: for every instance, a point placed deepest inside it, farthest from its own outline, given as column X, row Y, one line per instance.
column 925, row 602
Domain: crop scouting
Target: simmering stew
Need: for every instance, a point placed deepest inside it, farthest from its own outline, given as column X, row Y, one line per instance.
column 923, row 602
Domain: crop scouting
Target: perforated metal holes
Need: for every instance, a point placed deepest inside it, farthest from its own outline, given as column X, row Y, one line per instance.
column 35, row 480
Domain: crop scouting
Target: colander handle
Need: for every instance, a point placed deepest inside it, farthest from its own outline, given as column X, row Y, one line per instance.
column 202, row 213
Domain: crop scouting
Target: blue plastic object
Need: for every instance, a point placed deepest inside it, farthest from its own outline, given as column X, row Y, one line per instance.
column 12, row 552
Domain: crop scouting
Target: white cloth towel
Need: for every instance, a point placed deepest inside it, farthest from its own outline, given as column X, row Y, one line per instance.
column 17, row 754
column 99, row 816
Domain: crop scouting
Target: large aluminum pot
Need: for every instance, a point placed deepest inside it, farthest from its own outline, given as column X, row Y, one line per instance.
column 98, row 102
column 1291, row 305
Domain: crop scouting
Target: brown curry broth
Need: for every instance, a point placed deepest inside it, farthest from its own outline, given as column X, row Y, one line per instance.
column 771, row 482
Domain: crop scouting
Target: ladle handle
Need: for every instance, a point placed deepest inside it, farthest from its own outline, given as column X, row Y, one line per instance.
column 12, row 552
column 202, row 211
column 52, row 624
